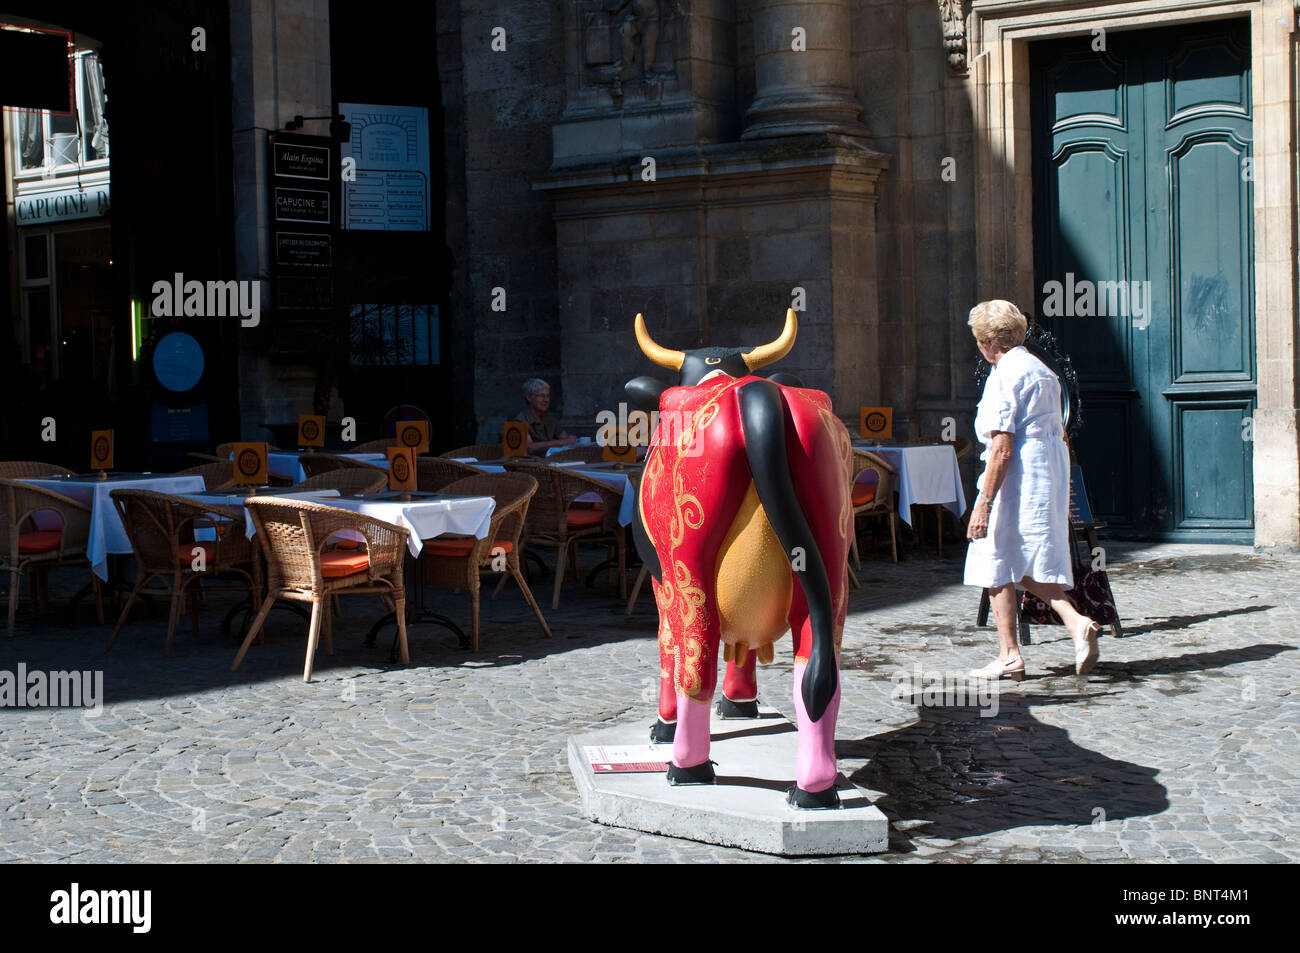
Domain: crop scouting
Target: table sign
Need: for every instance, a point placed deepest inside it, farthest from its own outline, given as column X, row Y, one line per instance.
column 413, row 434
column 876, row 422
column 514, row 438
column 311, row 430
column 621, row 452
column 250, row 464
column 401, row 469
column 101, row 450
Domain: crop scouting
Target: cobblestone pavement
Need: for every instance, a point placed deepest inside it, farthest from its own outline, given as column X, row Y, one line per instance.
column 1180, row 746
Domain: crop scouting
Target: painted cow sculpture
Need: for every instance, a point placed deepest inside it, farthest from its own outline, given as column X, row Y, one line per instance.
column 744, row 519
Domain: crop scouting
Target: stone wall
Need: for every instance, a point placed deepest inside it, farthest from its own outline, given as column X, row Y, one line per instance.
column 499, row 111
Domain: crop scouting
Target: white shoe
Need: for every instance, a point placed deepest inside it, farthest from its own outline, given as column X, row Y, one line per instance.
column 1013, row 668
column 1086, row 651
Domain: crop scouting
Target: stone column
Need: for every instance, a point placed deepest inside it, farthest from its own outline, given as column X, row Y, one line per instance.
column 802, row 70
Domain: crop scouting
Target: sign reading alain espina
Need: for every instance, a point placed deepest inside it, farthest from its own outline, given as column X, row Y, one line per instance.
column 301, row 161
column 77, row 906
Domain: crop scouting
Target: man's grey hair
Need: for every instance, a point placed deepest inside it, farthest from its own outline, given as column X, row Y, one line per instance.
column 535, row 385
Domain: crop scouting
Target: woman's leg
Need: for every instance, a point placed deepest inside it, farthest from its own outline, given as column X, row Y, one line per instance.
column 1079, row 626
column 1003, row 601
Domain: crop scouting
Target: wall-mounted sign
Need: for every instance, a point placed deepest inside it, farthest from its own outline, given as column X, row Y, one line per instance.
column 303, row 249
column 300, row 161
column 62, row 205
column 390, row 145
column 302, row 205
column 178, row 361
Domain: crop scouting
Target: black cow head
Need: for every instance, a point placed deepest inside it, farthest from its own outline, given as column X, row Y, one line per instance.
column 701, row 363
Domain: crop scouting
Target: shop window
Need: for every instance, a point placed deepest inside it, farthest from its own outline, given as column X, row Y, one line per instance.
column 49, row 142
column 394, row 335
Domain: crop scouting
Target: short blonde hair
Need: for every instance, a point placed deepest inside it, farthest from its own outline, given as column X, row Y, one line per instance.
column 999, row 322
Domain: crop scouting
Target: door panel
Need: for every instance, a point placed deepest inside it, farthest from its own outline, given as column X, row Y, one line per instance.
column 1140, row 190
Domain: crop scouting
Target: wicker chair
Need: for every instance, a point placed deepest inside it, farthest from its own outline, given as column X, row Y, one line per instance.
column 302, row 565
column 314, row 464
column 30, row 469
column 961, row 446
column 373, row 446
column 163, row 531
column 553, row 520
column 587, row 454
column 872, row 487
column 479, row 451
column 457, row 562
column 434, row 473
column 216, row 476
column 349, row 481
column 36, row 548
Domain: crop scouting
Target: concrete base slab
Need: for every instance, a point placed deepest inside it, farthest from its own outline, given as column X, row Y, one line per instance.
column 747, row 806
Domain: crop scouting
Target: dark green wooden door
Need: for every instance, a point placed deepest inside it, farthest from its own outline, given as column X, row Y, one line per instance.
column 1143, row 259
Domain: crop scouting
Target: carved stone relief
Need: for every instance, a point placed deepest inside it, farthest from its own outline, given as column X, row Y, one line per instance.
column 953, row 18
column 627, row 41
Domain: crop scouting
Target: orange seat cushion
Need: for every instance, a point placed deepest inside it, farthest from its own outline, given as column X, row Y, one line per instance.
column 864, row 491
column 39, row 541
column 187, row 554
column 460, row 546
column 580, row 519
column 340, row 562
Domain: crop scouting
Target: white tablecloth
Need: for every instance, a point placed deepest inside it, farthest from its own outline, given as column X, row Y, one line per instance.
column 463, row 515
column 107, row 535
column 290, row 464
column 225, row 498
column 614, row 479
column 926, row 474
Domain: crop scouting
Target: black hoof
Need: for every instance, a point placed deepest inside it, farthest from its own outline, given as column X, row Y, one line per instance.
column 700, row 774
column 813, row 800
column 729, row 709
column 662, row 732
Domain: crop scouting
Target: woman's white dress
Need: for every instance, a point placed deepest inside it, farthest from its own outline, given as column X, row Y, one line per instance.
column 1029, row 525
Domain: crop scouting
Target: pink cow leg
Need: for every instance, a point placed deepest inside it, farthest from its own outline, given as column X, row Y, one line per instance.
column 740, row 689
column 815, row 769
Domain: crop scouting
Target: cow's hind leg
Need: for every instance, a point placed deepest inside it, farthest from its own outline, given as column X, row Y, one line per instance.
column 739, row 684
column 815, row 769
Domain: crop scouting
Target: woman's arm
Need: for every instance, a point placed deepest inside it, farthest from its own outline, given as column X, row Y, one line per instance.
column 1000, row 452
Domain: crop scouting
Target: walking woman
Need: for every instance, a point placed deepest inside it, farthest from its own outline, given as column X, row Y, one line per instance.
column 1019, row 528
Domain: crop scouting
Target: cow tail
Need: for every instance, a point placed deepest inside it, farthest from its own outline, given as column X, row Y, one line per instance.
column 762, row 417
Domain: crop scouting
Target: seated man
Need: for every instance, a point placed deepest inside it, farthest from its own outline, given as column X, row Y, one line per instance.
column 543, row 429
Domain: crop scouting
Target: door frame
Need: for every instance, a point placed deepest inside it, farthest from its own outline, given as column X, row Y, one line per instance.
column 998, row 85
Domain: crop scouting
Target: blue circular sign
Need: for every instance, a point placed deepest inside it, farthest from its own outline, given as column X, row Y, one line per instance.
column 178, row 361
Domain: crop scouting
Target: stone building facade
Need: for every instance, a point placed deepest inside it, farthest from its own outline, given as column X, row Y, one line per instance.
column 872, row 163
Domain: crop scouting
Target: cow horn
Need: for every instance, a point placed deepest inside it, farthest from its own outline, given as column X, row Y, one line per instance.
column 766, row 354
column 660, row 355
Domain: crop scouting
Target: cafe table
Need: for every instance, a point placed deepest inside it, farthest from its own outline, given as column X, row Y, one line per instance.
column 927, row 473
column 616, row 476
column 107, row 535
column 288, row 463
column 426, row 515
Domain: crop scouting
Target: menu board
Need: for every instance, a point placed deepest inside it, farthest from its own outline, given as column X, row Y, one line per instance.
column 390, row 146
